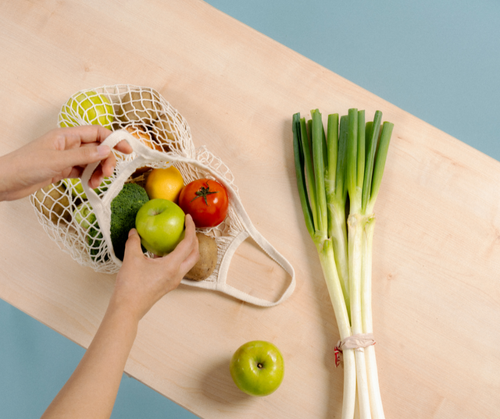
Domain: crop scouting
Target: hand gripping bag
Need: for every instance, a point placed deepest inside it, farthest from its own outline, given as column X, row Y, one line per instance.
column 78, row 218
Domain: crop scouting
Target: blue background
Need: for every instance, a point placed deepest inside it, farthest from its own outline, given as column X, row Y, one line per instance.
column 438, row 60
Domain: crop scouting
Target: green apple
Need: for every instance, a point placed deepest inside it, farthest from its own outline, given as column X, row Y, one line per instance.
column 160, row 223
column 76, row 188
column 92, row 107
column 257, row 368
column 84, row 215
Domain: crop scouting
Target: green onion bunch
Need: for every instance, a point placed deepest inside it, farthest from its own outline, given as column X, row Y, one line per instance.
column 339, row 173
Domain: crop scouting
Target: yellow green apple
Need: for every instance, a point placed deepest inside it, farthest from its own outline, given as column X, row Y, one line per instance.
column 257, row 368
column 160, row 224
column 92, row 107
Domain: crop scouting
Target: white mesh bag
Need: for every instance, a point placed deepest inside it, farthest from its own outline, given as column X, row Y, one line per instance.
column 78, row 218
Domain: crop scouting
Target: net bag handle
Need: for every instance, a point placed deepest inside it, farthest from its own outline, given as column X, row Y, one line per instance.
column 144, row 155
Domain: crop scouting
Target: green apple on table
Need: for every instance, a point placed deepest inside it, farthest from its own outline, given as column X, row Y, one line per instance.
column 160, row 224
column 257, row 368
column 92, row 107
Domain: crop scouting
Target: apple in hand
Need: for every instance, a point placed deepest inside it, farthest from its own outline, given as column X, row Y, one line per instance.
column 257, row 368
column 160, row 223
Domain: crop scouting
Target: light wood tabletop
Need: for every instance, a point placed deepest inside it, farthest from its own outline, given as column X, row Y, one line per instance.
column 436, row 299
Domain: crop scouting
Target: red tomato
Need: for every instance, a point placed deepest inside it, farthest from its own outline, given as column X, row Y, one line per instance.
column 206, row 201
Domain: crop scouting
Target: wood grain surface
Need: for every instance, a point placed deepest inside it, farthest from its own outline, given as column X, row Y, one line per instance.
column 436, row 298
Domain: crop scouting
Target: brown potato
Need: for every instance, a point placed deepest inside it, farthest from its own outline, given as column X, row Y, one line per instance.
column 139, row 106
column 208, row 259
column 164, row 129
column 52, row 202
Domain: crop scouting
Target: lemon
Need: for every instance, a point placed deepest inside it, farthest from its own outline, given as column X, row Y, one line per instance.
column 164, row 184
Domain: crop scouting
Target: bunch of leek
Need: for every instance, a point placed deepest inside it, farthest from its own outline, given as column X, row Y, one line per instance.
column 338, row 176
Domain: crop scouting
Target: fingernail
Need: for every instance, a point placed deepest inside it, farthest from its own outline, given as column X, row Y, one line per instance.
column 103, row 150
column 132, row 232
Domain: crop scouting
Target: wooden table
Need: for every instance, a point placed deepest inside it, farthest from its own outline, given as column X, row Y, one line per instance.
column 437, row 242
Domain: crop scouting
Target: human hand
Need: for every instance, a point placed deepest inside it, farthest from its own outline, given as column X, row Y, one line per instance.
column 142, row 281
column 59, row 154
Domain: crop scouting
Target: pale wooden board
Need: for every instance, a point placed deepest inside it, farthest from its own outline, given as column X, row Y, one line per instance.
column 436, row 299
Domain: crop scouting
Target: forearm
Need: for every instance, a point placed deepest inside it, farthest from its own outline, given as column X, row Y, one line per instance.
column 6, row 175
column 91, row 390
column 21, row 176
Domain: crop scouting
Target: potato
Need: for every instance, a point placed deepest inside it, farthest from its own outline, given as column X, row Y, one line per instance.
column 52, row 202
column 208, row 259
column 139, row 106
column 164, row 129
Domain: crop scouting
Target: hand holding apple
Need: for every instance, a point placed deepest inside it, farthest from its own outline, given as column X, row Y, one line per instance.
column 257, row 368
column 142, row 281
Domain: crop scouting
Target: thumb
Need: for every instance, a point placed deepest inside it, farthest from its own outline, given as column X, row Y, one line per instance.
column 133, row 245
column 81, row 156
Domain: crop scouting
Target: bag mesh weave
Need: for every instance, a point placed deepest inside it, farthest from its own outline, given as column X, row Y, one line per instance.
column 63, row 208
